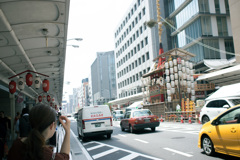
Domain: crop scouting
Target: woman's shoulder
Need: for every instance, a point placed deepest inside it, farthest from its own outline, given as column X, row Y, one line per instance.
column 48, row 154
column 17, row 150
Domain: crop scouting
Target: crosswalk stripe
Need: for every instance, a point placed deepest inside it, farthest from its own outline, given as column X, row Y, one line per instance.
column 104, row 153
column 95, row 147
column 130, row 156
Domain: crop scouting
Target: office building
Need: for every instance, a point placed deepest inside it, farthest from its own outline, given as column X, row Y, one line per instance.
column 136, row 45
column 202, row 27
column 103, row 78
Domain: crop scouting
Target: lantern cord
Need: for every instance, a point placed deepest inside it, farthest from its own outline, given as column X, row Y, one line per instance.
column 28, row 71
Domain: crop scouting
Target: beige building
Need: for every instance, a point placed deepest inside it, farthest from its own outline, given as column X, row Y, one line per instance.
column 234, row 15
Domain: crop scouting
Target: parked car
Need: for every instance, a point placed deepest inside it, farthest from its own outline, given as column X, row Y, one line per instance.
column 139, row 119
column 93, row 121
column 117, row 115
column 214, row 107
column 222, row 133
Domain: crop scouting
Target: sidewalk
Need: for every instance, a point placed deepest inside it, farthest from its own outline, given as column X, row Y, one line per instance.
column 77, row 151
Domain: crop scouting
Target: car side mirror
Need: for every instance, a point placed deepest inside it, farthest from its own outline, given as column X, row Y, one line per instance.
column 215, row 122
column 226, row 106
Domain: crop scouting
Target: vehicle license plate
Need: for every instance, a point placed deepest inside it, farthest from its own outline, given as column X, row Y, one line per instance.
column 98, row 125
column 146, row 120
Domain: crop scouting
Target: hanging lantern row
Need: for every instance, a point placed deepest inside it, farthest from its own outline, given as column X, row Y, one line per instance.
column 29, row 82
column 49, row 99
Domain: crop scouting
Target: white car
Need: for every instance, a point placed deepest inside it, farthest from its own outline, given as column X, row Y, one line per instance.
column 93, row 121
column 214, row 107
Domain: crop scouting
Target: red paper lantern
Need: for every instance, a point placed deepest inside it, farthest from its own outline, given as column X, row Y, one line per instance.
column 48, row 98
column 12, row 87
column 51, row 104
column 40, row 98
column 53, row 100
column 45, row 85
column 29, row 79
column 179, row 60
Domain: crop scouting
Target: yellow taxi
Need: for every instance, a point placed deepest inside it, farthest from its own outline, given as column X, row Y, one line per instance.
column 222, row 134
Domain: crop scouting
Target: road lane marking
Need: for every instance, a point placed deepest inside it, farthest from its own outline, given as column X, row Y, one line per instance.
column 105, row 153
column 95, row 147
column 178, row 152
column 141, row 140
column 122, row 135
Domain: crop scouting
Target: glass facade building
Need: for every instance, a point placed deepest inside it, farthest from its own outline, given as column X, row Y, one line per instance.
column 201, row 27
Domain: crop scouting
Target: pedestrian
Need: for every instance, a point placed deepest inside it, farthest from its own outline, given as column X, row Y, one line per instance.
column 23, row 125
column 3, row 133
column 43, row 122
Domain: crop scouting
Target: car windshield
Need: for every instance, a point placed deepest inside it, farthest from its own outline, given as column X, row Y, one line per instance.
column 119, row 112
column 142, row 113
column 235, row 101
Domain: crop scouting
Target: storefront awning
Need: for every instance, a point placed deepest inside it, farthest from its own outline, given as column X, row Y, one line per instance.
column 223, row 77
column 129, row 99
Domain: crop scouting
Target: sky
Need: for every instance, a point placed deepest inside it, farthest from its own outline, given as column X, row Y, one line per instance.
column 95, row 22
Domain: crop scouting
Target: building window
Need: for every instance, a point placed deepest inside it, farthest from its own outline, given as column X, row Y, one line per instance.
column 143, row 11
column 217, row 6
column 145, row 26
column 142, row 44
column 138, row 47
column 206, row 26
column 203, row 6
column 134, row 37
column 143, row 58
column 136, row 77
column 133, row 78
column 133, row 24
column 131, row 53
column 128, row 55
column 211, row 54
column 136, row 20
column 141, row 30
column 135, row 50
column 146, row 41
column 131, row 11
column 229, row 47
column 135, row 7
column 144, row 71
column 137, row 33
column 227, row 6
column 147, row 55
column 222, row 26
column 140, row 74
column 127, row 69
column 130, row 79
column 136, row 64
column 139, row 3
column 139, row 61
column 140, row 16
column 132, row 65
column 131, row 40
column 148, row 69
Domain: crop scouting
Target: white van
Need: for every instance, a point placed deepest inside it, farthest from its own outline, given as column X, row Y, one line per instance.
column 93, row 121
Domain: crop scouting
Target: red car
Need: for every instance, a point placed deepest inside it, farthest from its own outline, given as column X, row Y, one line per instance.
column 139, row 119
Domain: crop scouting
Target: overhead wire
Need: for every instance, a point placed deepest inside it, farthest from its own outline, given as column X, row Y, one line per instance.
column 200, row 43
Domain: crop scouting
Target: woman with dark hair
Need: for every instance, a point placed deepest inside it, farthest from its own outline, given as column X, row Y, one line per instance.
column 43, row 122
